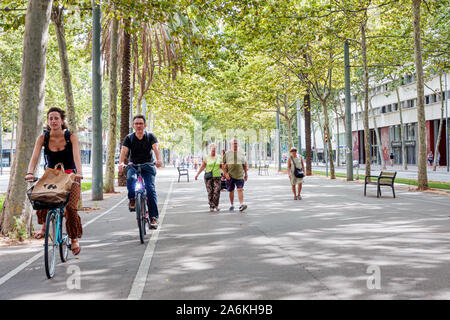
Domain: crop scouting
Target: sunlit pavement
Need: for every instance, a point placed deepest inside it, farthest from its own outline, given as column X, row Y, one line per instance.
column 333, row 244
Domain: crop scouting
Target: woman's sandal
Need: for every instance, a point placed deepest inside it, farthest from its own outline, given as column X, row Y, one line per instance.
column 76, row 250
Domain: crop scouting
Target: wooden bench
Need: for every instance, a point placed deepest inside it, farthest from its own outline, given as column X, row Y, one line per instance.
column 264, row 168
column 182, row 171
column 385, row 178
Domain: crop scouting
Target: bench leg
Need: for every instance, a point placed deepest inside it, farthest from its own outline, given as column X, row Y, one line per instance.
column 365, row 186
column 393, row 192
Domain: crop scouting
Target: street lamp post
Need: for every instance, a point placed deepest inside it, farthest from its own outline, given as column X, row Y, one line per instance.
column 348, row 115
column 97, row 142
column 279, row 140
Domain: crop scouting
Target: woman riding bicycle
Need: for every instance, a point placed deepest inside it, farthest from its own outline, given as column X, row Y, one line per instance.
column 60, row 145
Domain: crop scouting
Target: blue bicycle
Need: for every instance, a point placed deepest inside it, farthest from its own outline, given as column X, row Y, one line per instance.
column 55, row 232
column 142, row 214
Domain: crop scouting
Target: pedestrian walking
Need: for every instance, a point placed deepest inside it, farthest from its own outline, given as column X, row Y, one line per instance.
column 234, row 167
column 60, row 146
column 438, row 159
column 391, row 157
column 430, row 158
column 295, row 162
column 212, row 164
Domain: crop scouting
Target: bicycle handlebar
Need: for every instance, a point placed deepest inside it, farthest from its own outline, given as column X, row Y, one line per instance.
column 138, row 164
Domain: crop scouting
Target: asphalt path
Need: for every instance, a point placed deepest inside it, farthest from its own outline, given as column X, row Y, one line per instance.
column 333, row 244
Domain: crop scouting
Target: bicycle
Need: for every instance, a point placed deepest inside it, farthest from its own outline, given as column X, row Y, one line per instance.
column 142, row 214
column 55, row 231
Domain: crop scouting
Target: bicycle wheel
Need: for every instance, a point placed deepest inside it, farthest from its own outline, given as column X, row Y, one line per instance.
column 140, row 214
column 50, row 244
column 64, row 240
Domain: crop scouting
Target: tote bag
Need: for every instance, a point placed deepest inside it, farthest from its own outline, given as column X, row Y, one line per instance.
column 54, row 186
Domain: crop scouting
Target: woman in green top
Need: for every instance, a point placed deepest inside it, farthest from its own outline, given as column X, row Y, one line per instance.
column 212, row 177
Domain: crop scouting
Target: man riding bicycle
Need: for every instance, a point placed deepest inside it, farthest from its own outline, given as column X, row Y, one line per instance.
column 140, row 145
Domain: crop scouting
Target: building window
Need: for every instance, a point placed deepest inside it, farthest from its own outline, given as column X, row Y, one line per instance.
column 427, row 99
column 383, row 109
column 411, row 103
column 395, row 107
column 410, row 130
column 433, row 98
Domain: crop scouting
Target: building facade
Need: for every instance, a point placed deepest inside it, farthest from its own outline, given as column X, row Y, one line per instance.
column 386, row 106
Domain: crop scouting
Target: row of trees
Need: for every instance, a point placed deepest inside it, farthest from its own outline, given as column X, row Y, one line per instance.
column 228, row 64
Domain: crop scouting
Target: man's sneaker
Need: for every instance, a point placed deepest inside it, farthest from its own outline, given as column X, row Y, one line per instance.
column 132, row 204
column 232, row 208
column 242, row 207
column 154, row 223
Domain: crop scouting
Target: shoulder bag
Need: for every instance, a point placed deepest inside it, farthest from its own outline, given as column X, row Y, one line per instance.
column 209, row 174
column 297, row 172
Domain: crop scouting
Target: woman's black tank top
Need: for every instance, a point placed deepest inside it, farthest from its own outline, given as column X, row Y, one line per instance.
column 52, row 158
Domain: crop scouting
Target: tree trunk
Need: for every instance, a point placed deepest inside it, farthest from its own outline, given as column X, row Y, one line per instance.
column 441, row 124
column 402, row 131
column 307, row 103
column 289, row 125
column 422, row 178
column 57, row 18
column 31, row 106
column 366, row 99
column 111, row 150
column 330, row 148
column 125, row 102
column 11, row 153
column 314, row 143
column 380, row 152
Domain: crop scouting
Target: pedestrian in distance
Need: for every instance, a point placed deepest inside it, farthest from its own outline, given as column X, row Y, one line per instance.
column 293, row 162
column 212, row 166
column 430, row 158
column 391, row 157
column 234, row 167
column 438, row 159
column 140, row 144
column 60, row 146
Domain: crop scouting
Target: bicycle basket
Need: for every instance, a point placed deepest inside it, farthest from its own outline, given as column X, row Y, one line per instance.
column 39, row 205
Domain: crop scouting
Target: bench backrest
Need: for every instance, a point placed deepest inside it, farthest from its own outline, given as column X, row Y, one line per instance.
column 387, row 176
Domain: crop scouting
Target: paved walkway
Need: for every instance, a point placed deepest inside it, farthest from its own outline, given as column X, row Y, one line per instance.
column 333, row 244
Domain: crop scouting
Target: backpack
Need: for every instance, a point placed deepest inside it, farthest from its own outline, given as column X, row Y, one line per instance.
column 147, row 138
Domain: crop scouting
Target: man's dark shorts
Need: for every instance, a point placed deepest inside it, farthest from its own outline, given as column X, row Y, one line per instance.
column 232, row 183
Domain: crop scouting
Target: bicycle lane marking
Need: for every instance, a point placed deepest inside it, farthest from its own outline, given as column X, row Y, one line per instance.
column 14, row 272
column 138, row 285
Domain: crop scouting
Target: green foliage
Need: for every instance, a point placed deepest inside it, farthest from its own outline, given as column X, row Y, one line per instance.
column 236, row 56
column 19, row 231
column 2, row 199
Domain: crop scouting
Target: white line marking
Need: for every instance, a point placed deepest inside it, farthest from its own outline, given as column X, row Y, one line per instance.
column 109, row 210
column 141, row 276
column 14, row 272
